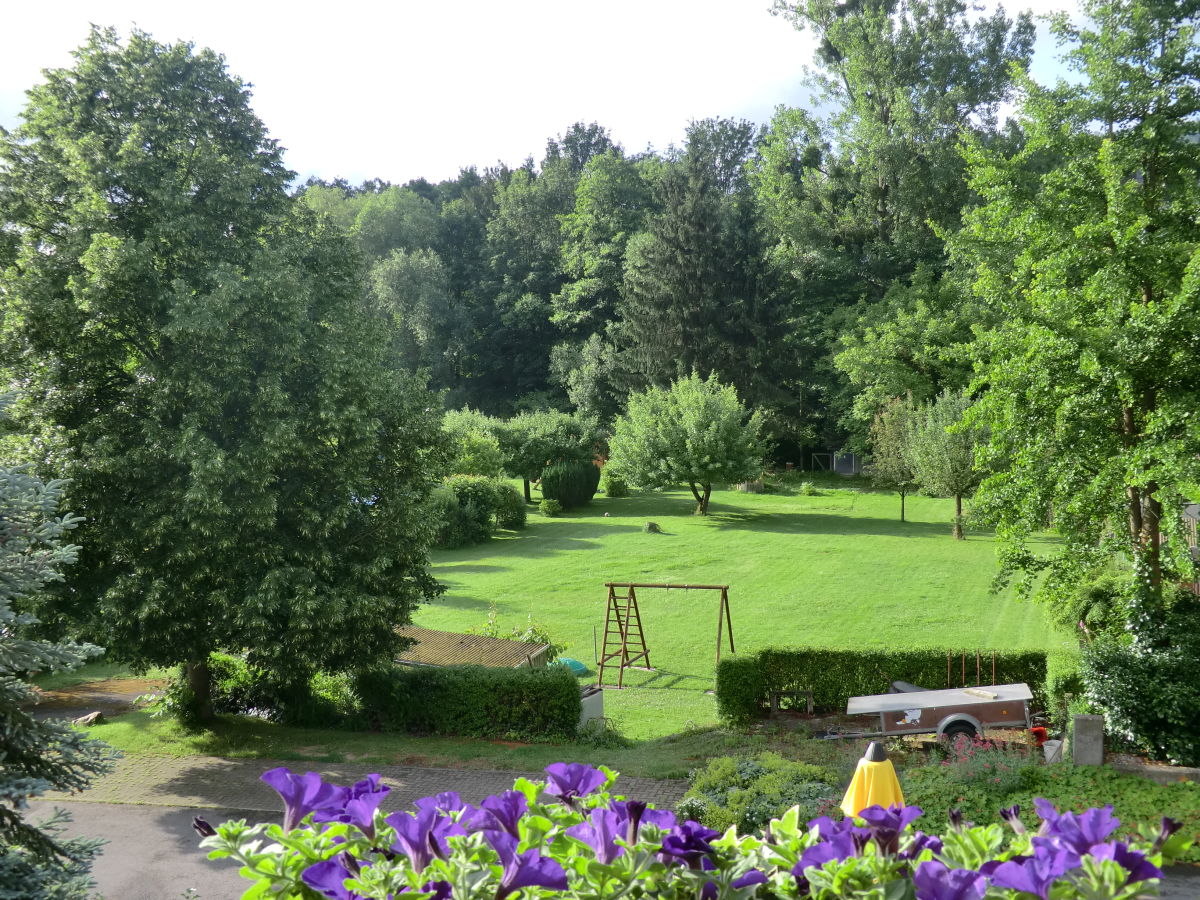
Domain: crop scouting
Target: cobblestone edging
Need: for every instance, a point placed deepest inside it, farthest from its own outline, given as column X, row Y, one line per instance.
column 206, row 781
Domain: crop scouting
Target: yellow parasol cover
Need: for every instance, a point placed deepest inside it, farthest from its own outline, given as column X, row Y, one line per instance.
column 873, row 784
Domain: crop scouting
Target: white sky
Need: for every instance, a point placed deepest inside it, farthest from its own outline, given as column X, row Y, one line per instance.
column 423, row 87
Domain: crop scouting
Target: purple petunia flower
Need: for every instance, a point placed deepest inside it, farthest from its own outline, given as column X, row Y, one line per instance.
column 302, row 794
column 1034, row 874
column 423, row 836
column 934, row 881
column 886, row 825
column 1082, row 831
column 438, row 890
column 838, row 847
column 500, row 813
column 357, row 805
column 1133, row 862
column 1168, row 828
column 754, row 876
column 328, row 878
column 687, row 843
column 445, row 802
column 920, row 843
column 634, row 813
column 600, row 833
column 1012, row 816
column 521, row 870
column 566, row 781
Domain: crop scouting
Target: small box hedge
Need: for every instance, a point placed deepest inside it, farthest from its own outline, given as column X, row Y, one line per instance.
column 473, row 701
column 744, row 684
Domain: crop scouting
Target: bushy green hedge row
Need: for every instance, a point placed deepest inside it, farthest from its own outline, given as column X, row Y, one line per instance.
column 744, row 683
column 473, row 701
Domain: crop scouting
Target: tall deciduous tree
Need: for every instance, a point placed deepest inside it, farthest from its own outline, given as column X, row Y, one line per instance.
column 856, row 203
column 940, row 450
column 39, row 755
column 696, row 432
column 533, row 440
column 890, row 468
column 1088, row 250
column 251, row 474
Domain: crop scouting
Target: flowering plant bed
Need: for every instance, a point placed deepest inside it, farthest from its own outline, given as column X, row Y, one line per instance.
column 569, row 836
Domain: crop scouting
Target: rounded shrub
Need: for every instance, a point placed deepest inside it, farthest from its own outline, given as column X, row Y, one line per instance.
column 459, row 523
column 571, row 483
column 614, row 485
column 510, row 506
column 750, row 791
column 550, row 508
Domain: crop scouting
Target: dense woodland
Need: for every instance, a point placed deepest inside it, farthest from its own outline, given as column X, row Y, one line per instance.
column 803, row 261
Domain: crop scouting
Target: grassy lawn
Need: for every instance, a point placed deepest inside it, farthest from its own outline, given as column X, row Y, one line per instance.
column 838, row 569
column 672, row 756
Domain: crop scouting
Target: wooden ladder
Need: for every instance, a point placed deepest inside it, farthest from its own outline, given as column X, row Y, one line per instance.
column 624, row 640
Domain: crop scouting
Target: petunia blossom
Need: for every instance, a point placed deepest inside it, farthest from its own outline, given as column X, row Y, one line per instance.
column 445, row 802
column 753, row 877
column 935, row 881
column 1033, row 874
column 1133, row 862
column 634, row 813
column 357, row 805
column 600, row 832
column 1082, row 831
column 566, row 781
column 328, row 878
column 687, row 843
column 839, row 847
column 522, row 870
column 500, row 813
column 422, row 837
column 886, row 825
column 302, row 794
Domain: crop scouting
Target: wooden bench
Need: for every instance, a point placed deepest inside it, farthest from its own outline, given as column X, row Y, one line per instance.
column 777, row 696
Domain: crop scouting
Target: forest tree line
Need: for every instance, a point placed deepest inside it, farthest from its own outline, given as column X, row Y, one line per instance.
column 803, row 261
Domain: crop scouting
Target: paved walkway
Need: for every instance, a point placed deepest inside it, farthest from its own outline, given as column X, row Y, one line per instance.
column 209, row 781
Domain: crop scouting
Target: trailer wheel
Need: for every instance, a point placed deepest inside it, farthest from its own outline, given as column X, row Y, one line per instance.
column 952, row 731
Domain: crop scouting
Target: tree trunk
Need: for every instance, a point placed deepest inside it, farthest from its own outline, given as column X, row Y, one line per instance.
column 701, row 499
column 528, row 497
column 958, row 529
column 902, row 495
column 1151, row 537
column 199, row 679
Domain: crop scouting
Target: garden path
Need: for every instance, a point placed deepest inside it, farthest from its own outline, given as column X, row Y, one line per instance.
column 209, row 781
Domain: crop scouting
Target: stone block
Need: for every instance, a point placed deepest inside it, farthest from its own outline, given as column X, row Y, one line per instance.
column 1087, row 741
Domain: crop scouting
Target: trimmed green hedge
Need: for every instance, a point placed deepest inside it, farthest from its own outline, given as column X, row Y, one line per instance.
column 473, row 701
column 744, row 683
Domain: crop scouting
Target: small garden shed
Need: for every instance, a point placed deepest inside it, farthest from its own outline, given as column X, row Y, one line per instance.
column 451, row 648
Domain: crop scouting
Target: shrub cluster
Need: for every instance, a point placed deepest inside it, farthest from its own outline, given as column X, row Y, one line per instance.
column 747, row 792
column 1149, row 692
column 572, row 483
column 469, row 508
column 568, row 837
column 744, row 683
column 473, row 701
column 614, row 485
column 324, row 701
